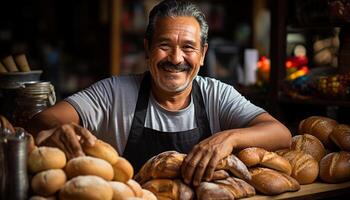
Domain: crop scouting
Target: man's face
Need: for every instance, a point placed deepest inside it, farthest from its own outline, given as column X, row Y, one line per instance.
column 175, row 54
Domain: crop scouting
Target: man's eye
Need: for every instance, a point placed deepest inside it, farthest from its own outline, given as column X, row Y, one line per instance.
column 164, row 46
column 188, row 48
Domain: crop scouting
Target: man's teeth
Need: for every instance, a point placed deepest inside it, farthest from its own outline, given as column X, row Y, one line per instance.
column 172, row 70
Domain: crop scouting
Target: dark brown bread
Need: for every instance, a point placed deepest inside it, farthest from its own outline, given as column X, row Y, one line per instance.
column 304, row 167
column 319, row 127
column 169, row 189
column 335, row 167
column 310, row 145
column 271, row 182
column 258, row 156
column 341, row 136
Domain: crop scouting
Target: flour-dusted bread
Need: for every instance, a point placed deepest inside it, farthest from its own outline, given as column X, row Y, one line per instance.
column 169, row 189
column 44, row 158
column 48, row 182
column 235, row 166
column 121, row 191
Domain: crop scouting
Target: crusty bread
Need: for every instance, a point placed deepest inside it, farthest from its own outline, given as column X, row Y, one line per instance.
column 169, row 189
column 148, row 195
column 87, row 188
column 101, row 150
column 335, row 167
column 135, row 187
column 310, row 145
column 213, row 191
column 258, row 156
column 271, row 182
column 43, row 158
column 123, row 170
column 341, row 136
column 87, row 165
column 220, row 174
column 121, row 191
column 304, row 167
column 319, row 127
column 48, row 182
column 164, row 165
column 235, row 166
column 237, row 187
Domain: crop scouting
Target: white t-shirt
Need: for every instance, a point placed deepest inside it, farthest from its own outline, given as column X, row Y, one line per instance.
column 107, row 108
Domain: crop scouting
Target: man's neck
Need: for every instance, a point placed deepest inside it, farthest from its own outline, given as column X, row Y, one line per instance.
column 172, row 101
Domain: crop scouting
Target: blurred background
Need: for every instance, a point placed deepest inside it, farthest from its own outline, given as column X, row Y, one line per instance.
column 290, row 57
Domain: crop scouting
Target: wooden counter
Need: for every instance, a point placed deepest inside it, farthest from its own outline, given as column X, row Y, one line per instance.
column 313, row 191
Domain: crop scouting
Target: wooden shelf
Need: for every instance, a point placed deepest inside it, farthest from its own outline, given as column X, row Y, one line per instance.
column 312, row 191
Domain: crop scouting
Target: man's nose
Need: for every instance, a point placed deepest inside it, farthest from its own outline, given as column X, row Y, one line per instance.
column 176, row 56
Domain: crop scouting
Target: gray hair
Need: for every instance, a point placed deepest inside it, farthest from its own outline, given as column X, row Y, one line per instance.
column 175, row 8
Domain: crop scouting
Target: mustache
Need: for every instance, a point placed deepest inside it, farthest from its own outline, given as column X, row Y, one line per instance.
column 181, row 66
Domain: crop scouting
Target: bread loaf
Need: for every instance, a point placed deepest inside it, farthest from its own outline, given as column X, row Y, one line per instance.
column 123, row 171
column 121, row 191
column 164, row 165
column 341, row 136
column 47, row 183
column 5, row 124
column 258, row 156
column 237, row 187
column 101, row 150
column 148, row 195
column 319, row 127
column 220, row 174
column 43, row 158
column 135, row 187
column 335, row 167
column 235, row 166
column 271, row 182
column 304, row 167
column 310, row 145
column 87, row 165
column 213, row 191
column 87, row 188
column 169, row 189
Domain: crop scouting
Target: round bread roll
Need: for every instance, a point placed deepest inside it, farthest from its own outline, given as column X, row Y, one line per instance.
column 341, row 136
column 87, row 165
column 304, row 167
column 43, row 158
column 123, row 170
column 319, row 127
column 87, row 188
column 48, row 182
column 121, row 191
column 101, row 150
column 148, row 195
column 335, row 167
column 310, row 145
column 42, row 198
column 135, row 187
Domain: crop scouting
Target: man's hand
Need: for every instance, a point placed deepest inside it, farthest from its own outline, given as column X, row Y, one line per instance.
column 68, row 138
column 201, row 162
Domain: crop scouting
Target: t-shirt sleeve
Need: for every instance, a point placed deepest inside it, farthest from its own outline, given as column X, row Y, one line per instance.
column 235, row 110
column 92, row 104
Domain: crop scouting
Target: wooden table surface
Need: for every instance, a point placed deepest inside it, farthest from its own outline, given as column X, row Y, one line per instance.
column 312, row 191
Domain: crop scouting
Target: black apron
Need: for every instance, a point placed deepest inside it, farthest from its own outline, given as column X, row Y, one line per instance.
column 144, row 143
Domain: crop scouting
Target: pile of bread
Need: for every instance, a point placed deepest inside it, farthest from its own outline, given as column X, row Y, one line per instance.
column 100, row 175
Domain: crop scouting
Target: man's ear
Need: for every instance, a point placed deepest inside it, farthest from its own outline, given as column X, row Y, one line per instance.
column 146, row 46
column 204, row 51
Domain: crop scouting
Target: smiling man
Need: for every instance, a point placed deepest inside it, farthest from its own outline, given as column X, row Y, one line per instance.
column 168, row 107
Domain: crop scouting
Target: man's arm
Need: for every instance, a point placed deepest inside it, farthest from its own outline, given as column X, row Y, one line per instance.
column 263, row 131
column 58, row 126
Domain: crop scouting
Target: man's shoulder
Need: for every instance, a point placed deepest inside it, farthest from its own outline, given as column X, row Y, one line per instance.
column 210, row 83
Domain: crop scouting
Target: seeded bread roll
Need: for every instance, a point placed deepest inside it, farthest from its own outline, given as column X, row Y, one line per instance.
column 87, row 188
column 44, row 158
column 258, row 156
column 87, row 165
column 121, row 191
column 47, row 183
column 271, row 182
column 310, row 145
column 341, row 136
column 169, row 189
column 123, row 170
column 335, row 167
column 101, row 150
column 304, row 167
column 319, row 127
